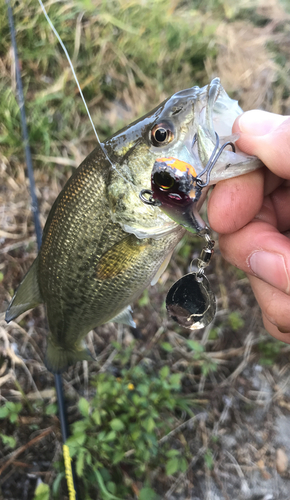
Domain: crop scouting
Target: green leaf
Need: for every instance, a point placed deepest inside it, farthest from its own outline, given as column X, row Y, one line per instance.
column 147, row 494
column 111, row 487
column 166, row 346
column 106, row 494
column 13, row 417
column 135, row 435
column 80, row 462
column 235, row 320
column 195, row 346
column 117, row 425
column 143, row 389
column 84, row 407
column 56, row 483
column 172, row 466
column 9, row 440
column 4, row 412
column 18, row 407
column 149, row 424
column 164, row 371
column 172, row 453
column 51, row 409
column 76, row 440
column 208, row 458
column 208, row 366
column 136, row 399
column 213, row 334
column 110, row 436
column 41, row 492
column 175, row 380
column 183, row 465
column 118, row 455
column 1, row 277
column 80, row 427
column 96, row 417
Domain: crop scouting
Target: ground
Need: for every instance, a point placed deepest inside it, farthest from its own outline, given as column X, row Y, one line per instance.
column 237, row 442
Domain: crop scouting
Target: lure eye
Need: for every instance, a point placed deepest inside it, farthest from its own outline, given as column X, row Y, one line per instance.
column 163, row 180
column 161, row 134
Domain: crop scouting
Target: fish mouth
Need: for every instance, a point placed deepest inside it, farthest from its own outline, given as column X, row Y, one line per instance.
column 178, row 186
column 214, row 114
column 194, row 126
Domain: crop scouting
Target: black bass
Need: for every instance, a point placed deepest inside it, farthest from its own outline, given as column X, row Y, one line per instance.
column 102, row 246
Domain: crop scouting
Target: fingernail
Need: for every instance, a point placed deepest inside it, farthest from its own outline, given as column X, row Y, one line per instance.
column 270, row 267
column 257, row 122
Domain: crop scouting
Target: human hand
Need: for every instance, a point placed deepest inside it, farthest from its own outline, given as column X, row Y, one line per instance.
column 252, row 215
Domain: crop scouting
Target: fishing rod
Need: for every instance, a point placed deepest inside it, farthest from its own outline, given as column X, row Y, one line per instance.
column 69, row 469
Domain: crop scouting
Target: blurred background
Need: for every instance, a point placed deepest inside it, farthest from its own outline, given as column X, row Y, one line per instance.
column 218, row 427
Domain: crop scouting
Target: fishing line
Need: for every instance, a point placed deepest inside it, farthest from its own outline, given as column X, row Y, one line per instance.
column 69, row 472
column 82, row 96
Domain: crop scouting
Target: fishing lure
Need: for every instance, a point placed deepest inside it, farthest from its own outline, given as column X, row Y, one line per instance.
column 176, row 189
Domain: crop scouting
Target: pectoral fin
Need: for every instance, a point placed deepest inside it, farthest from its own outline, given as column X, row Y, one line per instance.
column 120, row 257
column 124, row 318
column 161, row 269
column 26, row 296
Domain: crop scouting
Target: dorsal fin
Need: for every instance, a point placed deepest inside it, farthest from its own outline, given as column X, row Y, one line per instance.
column 26, row 296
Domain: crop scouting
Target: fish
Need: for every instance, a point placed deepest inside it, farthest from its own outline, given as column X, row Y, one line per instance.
column 102, row 246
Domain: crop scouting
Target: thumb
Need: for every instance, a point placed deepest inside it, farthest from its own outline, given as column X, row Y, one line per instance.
column 266, row 135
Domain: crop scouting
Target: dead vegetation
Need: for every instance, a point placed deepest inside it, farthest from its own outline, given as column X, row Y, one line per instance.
column 238, row 439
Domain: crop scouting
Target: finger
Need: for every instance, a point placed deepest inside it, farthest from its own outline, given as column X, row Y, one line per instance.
column 273, row 330
column 234, row 202
column 275, row 306
column 271, row 182
column 267, row 212
column 281, row 203
column 267, row 136
column 260, row 250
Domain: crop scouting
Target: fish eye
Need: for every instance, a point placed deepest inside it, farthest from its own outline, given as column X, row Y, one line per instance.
column 161, row 134
column 163, row 180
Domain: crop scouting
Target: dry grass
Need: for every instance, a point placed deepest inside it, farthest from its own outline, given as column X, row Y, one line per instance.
column 232, row 439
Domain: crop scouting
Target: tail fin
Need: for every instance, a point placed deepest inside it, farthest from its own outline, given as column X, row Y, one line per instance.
column 58, row 358
column 26, row 296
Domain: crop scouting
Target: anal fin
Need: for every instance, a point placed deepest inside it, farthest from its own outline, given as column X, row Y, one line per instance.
column 124, row 317
column 26, row 296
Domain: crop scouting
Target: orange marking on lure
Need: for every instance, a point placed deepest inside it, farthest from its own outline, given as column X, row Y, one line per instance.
column 180, row 165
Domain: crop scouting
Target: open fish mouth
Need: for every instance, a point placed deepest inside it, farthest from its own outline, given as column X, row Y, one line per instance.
column 207, row 155
column 211, row 128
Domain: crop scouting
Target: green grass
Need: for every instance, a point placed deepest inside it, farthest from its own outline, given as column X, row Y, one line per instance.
column 130, row 52
column 121, row 51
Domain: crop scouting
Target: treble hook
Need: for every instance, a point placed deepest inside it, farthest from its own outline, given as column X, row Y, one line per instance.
column 212, row 161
